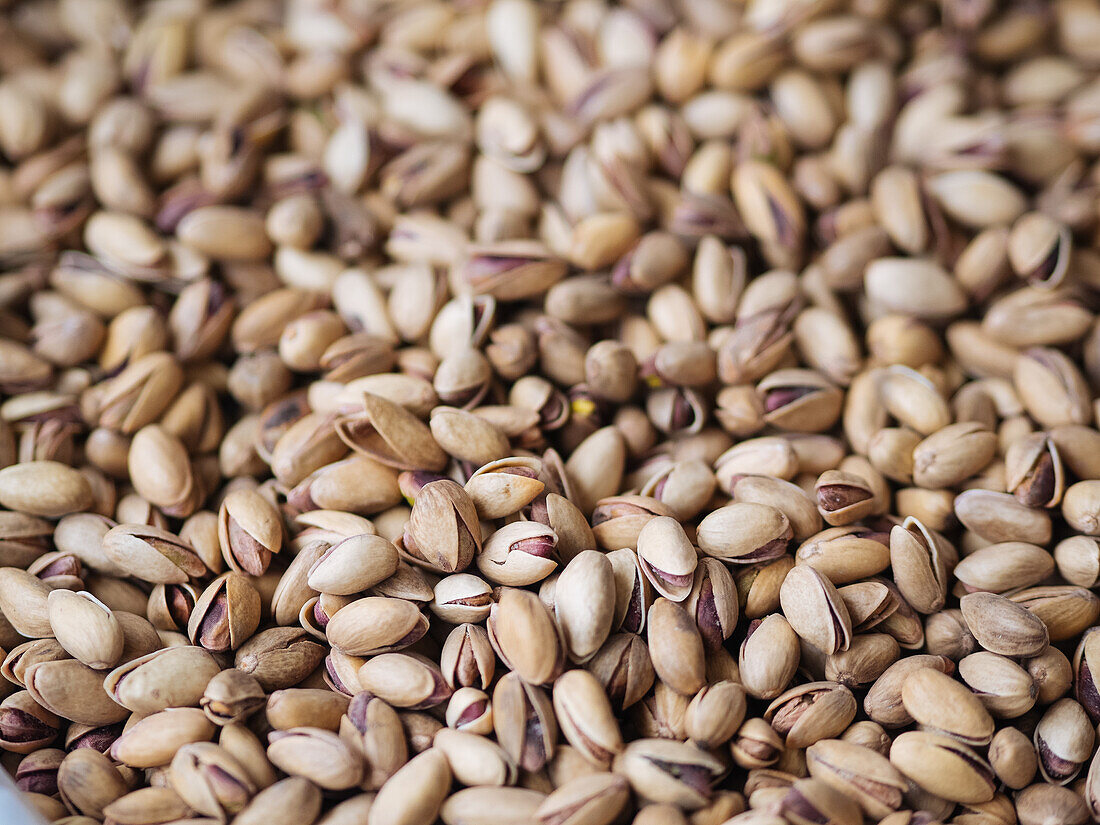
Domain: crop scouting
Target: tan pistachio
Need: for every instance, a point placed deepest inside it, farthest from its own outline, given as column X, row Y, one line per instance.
column 815, row 610
column 524, row 636
column 666, row 771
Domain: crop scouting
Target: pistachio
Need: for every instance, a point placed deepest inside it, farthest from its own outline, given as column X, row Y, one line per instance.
column 524, row 721
column 375, row 624
column 665, row 771
column 210, row 780
column 937, row 702
column 810, row 712
column 415, row 793
column 917, row 556
column 523, row 634
column 594, row 799
column 676, row 647
column 667, row 557
column 883, row 702
column 585, row 716
column 713, row 603
column 26, row 725
column 581, row 607
column 1063, row 741
column 943, row 766
column 88, row 782
column 86, row 628
column 152, row 554
column 355, row 564
column 44, row 488
column 744, row 533
column 1002, row 626
column 867, row 776
column 470, row 806
column 169, row 677
column 812, row 799
column 815, row 610
column 1005, row 688
column 769, row 657
column 318, row 755
column 225, row 615
column 715, row 713
column 443, row 531
column 231, row 696
column 401, row 407
column 518, row 554
column 1012, row 757
column 154, row 740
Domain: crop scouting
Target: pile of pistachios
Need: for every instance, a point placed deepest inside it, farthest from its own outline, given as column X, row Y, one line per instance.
column 578, row 412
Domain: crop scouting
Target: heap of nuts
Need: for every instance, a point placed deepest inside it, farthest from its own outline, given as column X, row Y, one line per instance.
column 503, row 412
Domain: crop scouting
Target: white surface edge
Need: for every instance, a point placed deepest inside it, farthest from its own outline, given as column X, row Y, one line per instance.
column 12, row 809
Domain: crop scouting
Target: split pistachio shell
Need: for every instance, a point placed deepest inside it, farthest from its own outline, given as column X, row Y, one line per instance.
column 1063, row 741
column 462, row 597
column 226, row 614
column 869, row 777
column 585, row 716
column 152, row 554
column 744, row 533
column 503, row 487
column 817, row 710
column 511, row 413
column 518, row 554
column 667, row 557
column 943, row 766
column 919, row 558
column 713, row 603
column 170, row 677
column 390, row 434
column 86, row 628
column 666, row 771
column 443, row 532
column 524, row 722
column 815, row 610
column 210, row 780
column 249, row 532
